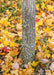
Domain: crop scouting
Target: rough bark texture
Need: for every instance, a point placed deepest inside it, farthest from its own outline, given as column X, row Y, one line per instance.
column 28, row 24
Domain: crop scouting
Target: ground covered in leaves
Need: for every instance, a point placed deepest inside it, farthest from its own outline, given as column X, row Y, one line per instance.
column 11, row 37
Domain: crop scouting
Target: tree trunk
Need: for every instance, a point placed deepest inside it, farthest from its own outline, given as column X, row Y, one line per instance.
column 28, row 24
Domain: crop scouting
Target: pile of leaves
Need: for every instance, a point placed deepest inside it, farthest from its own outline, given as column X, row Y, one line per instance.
column 45, row 36
column 11, row 39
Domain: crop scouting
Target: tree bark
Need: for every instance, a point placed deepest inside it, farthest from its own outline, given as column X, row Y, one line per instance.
column 28, row 25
